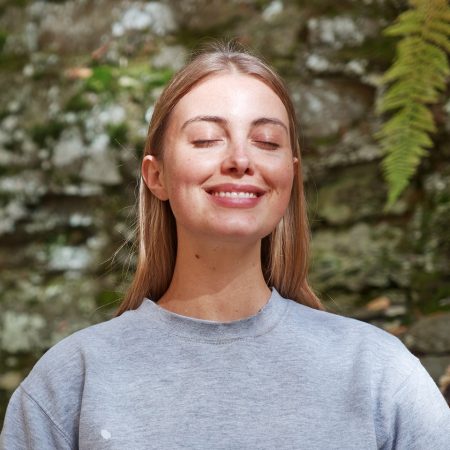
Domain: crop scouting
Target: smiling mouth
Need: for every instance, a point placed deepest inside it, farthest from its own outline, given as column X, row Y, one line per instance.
column 235, row 191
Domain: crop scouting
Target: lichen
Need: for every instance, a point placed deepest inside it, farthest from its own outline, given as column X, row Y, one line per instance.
column 20, row 332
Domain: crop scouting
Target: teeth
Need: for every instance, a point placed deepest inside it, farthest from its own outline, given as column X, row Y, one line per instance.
column 235, row 194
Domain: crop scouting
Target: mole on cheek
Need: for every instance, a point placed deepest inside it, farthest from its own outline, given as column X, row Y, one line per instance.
column 197, row 256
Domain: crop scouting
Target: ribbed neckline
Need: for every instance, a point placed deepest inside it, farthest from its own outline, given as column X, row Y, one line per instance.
column 212, row 331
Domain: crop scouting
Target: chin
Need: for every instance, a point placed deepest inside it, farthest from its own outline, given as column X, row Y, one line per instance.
column 239, row 234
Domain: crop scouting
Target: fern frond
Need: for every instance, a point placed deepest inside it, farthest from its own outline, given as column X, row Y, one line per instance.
column 407, row 23
column 403, row 92
column 440, row 26
column 421, row 119
column 414, row 81
column 399, row 166
column 438, row 38
column 416, row 54
column 418, row 138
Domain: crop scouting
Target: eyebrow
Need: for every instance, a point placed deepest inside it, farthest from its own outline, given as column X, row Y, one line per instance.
column 221, row 121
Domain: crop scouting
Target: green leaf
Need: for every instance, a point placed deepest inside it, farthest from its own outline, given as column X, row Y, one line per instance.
column 437, row 38
column 409, row 21
column 440, row 26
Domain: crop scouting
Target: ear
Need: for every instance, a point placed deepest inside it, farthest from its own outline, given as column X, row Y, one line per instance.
column 152, row 172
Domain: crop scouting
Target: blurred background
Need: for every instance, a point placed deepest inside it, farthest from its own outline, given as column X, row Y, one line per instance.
column 78, row 81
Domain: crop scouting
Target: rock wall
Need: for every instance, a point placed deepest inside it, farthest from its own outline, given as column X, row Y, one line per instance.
column 79, row 79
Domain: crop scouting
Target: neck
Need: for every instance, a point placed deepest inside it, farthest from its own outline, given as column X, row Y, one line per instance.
column 216, row 281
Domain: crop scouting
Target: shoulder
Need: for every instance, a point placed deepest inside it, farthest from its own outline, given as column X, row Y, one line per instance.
column 67, row 361
column 336, row 337
column 337, row 328
column 56, row 383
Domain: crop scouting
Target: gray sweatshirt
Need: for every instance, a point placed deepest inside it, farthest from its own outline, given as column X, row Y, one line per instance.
column 288, row 377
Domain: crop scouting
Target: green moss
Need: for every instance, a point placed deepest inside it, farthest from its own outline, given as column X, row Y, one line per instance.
column 142, row 72
column 325, row 140
column 40, row 133
column 430, row 289
column 77, row 103
column 3, row 36
column 156, row 79
column 10, row 62
column 109, row 299
column 332, row 8
column 102, row 79
column 6, row 4
column 118, row 134
column 4, row 113
column 379, row 50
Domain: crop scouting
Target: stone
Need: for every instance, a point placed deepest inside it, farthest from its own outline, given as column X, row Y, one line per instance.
column 69, row 149
column 362, row 256
column 69, row 258
column 430, row 334
column 20, row 331
column 112, row 115
column 10, row 215
column 329, row 107
column 74, row 26
column 272, row 10
column 437, row 184
column 354, row 194
column 436, row 246
column 201, row 15
column 155, row 17
column 435, row 365
column 10, row 380
column 325, row 62
column 341, row 31
column 66, row 301
column 275, row 32
column 10, row 123
column 172, row 57
column 27, row 185
column 342, row 304
column 328, row 155
column 101, row 165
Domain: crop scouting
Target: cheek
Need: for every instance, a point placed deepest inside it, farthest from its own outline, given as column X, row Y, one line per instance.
column 285, row 180
column 282, row 177
column 183, row 179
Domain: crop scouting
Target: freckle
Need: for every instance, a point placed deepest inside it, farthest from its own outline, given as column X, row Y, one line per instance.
column 197, row 256
column 213, row 267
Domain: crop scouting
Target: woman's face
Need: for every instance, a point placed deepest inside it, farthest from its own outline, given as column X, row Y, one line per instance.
column 228, row 166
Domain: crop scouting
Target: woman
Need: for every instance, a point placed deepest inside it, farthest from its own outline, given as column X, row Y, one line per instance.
column 220, row 343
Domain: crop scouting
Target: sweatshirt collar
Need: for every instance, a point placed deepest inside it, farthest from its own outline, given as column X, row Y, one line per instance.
column 213, row 331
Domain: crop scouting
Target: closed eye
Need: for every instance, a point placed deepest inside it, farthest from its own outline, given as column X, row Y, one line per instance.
column 203, row 143
column 267, row 145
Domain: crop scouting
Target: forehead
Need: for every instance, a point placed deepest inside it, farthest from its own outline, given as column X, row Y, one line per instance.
column 233, row 96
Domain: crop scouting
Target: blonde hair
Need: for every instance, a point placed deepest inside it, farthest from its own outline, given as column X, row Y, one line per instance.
column 284, row 253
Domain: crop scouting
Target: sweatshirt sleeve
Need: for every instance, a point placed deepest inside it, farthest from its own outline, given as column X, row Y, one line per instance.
column 28, row 427
column 419, row 415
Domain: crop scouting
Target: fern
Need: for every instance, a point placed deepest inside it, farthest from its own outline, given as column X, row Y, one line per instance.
column 415, row 80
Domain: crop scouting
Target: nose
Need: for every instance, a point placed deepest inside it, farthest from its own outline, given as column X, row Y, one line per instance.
column 238, row 161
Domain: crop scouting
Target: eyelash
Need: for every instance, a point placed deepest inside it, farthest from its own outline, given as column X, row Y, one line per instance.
column 271, row 145
column 204, row 143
